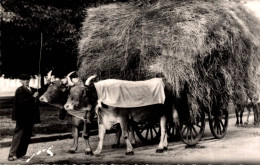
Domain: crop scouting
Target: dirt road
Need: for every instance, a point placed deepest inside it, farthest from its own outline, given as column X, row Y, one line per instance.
column 240, row 145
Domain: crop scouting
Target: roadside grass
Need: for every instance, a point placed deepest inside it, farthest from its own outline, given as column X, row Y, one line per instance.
column 50, row 122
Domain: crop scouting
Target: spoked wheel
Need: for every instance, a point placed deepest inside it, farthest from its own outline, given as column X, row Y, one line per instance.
column 148, row 132
column 191, row 132
column 218, row 124
column 173, row 131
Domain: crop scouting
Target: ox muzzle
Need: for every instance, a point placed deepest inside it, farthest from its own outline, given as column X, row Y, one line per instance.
column 43, row 99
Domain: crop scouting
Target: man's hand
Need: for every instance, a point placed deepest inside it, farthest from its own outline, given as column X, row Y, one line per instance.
column 36, row 94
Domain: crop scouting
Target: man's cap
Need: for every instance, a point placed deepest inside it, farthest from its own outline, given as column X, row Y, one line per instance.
column 24, row 77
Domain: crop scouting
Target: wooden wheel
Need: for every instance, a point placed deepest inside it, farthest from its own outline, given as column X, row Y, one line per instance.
column 218, row 124
column 191, row 132
column 148, row 132
column 173, row 131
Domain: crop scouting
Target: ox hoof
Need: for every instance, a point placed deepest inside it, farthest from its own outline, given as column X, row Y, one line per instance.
column 97, row 154
column 115, row 145
column 129, row 153
column 89, row 153
column 72, row 151
column 165, row 148
column 159, row 151
column 245, row 123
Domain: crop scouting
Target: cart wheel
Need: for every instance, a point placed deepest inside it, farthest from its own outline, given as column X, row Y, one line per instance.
column 173, row 131
column 148, row 132
column 218, row 124
column 191, row 133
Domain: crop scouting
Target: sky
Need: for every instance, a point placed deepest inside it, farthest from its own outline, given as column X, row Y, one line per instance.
column 253, row 5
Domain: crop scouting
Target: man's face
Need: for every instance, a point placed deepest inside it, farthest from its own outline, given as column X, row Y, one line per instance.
column 25, row 82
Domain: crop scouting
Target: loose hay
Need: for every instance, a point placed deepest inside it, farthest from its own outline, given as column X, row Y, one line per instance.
column 211, row 46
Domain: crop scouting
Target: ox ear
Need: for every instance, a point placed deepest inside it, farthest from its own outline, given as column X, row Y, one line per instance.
column 63, row 89
column 53, row 78
column 88, row 81
column 64, row 81
column 75, row 80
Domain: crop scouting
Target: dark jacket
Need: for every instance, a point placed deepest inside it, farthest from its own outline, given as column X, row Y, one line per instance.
column 26, row 109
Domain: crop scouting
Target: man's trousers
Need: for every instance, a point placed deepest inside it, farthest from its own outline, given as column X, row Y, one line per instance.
column 21, row 139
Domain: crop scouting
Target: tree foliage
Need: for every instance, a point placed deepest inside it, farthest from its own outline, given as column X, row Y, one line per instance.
column 23, row 22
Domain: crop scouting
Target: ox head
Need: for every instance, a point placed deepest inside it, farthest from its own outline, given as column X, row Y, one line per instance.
column 50, row 78
column 82, row 97
column 57, row 91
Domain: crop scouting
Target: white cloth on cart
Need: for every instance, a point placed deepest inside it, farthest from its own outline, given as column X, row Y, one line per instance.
column 129, row 94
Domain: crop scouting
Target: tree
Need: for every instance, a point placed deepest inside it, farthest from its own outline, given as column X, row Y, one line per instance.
column 22, row 24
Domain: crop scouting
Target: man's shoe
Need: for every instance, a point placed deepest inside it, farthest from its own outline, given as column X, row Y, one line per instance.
column 12, row 158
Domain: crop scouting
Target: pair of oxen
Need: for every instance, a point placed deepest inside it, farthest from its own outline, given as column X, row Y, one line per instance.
column 79, row 96
column 251, row 104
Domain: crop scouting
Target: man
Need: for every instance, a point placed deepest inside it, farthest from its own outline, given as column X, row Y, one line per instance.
column 26, row 114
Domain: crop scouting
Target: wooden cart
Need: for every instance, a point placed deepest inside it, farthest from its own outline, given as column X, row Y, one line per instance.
column 189, row 131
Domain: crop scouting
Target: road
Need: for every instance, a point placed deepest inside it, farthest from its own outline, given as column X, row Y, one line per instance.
column 240, row 145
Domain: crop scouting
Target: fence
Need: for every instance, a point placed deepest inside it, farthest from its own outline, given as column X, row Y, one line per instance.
column 8, row 86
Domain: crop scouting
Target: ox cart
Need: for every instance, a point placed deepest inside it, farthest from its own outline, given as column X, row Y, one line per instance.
column 190, row 132
column 191, row 128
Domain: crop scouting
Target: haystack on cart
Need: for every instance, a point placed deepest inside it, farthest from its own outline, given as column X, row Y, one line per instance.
column 212, row 46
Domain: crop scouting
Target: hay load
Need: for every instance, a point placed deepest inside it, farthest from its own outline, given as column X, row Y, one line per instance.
column 208, row 50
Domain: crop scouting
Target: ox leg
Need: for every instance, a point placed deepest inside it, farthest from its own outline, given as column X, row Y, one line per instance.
column 132, row 136
column 237, row 110
column 163, row 139
column 75, row 134
column 165, row 143
column 241, row 114
column 118, row 136
column 101, row 135
column 62, row 114
column 124, row 126
column 256, row 114
column 85, row 135
column 248, row 114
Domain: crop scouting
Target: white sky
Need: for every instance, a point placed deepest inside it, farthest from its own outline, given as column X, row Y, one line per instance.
column 253, row 5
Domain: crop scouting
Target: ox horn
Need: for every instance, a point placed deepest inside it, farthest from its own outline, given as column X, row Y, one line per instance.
column 70, row 74
column 49, row 74
column 89, row 80
column 69, row 81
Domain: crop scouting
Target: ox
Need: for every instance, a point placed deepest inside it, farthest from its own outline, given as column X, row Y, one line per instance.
column 250, row 104
column 86, row 97
column 56, row 95
column 256, row 109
